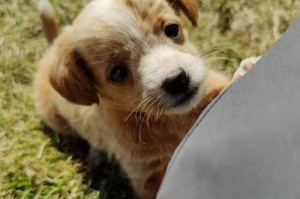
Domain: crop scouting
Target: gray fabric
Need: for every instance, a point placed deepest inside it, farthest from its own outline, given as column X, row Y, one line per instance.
column 246, row 145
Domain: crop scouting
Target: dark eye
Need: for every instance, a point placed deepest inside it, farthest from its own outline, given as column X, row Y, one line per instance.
column 119, row 73
column 172, row 31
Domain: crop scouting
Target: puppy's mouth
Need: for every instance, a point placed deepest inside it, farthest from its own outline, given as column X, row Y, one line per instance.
column 166, row 103
column 185, row 99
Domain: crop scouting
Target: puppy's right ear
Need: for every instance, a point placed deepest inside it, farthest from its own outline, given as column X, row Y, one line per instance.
column 73, row 79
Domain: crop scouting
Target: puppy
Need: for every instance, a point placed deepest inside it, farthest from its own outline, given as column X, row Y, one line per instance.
column 125, row 77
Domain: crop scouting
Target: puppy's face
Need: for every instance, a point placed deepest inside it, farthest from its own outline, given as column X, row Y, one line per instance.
column 132, row 54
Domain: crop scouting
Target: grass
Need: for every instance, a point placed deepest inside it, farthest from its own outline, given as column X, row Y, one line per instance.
column 37, row 164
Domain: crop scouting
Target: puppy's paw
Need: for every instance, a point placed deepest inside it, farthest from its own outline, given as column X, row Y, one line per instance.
column 245, row 66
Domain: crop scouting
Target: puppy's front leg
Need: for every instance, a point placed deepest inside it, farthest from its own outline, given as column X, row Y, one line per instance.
column 216, row 83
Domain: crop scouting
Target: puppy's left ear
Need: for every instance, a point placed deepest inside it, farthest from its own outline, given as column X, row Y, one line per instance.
column 73, row 79
column 189, row 7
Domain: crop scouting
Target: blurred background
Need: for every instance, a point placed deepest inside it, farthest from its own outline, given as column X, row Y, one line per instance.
column 36, row 162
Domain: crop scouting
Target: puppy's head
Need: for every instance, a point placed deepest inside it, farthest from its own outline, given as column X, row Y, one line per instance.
column 132, row 54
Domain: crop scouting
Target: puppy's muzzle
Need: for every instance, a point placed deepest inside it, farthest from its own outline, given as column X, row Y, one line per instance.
column 176, row 83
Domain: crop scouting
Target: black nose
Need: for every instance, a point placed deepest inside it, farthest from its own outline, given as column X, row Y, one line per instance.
column 177, row 83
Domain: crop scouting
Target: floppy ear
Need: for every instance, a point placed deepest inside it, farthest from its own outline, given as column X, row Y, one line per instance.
column 189, row 7
column 73, row 79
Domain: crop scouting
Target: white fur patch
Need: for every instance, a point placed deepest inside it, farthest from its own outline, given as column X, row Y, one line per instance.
column 114, row 13
column 161, row 61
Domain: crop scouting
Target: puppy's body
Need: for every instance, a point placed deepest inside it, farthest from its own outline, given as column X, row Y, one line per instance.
column 143, row 147
column 138, row 120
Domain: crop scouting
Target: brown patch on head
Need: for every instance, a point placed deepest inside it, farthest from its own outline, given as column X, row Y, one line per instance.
column 153, row 16
column 189, row 7
column 149, row 11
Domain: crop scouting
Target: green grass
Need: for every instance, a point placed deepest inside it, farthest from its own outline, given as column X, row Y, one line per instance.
column 36, row 164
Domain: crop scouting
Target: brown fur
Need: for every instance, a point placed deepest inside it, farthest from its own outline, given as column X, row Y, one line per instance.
column 189, row 7
column 74, row 95
column 74, row 69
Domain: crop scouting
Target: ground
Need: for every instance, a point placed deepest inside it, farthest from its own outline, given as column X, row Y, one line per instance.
column 34, row 161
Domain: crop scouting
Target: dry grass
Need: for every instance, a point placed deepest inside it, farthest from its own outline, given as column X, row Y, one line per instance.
column 31, row 164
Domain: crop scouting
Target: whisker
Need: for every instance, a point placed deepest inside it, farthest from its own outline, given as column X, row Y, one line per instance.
column 162, row 110
column 215, row 59
column 146, row 104
column 210, row 54
column 149, row 114
column 137, row 121
column 136, row 108
column 140, row 131
column 221, row 46
column 126, row 119
column 159, row 104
